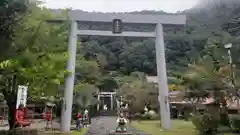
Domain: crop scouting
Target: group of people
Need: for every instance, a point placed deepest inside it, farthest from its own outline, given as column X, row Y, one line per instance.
column 83, row 119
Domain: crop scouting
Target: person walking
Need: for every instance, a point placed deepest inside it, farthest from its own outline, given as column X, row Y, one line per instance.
column 79, row 121
column 85, row 118
column 47, row 116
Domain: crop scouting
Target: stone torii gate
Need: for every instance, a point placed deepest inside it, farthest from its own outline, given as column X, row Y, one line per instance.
column 157, row 21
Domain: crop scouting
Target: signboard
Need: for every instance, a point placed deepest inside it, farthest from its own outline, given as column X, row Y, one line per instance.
column 117, row 26
column 22, row 95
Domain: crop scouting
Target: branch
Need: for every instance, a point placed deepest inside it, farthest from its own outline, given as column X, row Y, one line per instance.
column 14, row 20
column 5, row 94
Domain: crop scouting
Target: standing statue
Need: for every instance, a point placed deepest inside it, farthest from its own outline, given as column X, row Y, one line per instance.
column 118, row 104
column 118, row 107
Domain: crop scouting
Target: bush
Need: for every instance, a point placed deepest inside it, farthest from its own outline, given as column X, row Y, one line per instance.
column 224, row 120
column 151, row 115
column 187, row 109
column 145, row 116
column 235, row 122
column 136, row 116
column 205, row 124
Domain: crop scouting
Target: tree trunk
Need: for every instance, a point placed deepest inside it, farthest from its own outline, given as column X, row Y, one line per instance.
column 11, row 102
column 11, row 114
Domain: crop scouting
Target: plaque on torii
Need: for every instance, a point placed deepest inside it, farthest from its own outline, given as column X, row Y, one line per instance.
column 117, row 26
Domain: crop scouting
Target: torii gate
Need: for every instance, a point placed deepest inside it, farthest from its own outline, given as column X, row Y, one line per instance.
column 158, row 21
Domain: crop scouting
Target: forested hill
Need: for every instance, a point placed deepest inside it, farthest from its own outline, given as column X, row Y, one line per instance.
column 205, row 22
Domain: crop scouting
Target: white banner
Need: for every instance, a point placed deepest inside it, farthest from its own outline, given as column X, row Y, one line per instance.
column 22, row 95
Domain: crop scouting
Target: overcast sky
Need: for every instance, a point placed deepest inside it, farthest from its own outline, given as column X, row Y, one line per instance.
column 122, row 5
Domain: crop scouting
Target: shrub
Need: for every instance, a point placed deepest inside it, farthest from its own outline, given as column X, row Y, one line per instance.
column 224, row 120
column 187, row 109
column 150, row 115
column 146, row 116
column 205, row 124
column 235, row 122
column 153, row 115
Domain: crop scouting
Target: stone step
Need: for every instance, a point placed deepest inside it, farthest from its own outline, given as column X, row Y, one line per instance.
column 108, row 113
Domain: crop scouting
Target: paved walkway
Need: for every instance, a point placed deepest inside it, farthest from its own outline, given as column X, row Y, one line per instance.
column 104, row 125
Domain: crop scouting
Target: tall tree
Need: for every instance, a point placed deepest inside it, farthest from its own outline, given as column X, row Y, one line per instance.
column 38, row 60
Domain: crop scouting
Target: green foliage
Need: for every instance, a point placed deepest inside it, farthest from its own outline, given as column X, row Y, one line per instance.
column 107, row 84
column 84, row 96
column 140, row 94
column 145, row 116
column 235, row 122
column 34, row 55
column 150, row 115
column 224, row 119
column 11, row 12
column 87, row 71
column 205, row 124
column 39, row 61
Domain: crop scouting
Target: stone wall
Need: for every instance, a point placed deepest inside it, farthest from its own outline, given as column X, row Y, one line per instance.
column 19, row 132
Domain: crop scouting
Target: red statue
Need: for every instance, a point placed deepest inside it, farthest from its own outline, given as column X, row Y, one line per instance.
column 20, row 117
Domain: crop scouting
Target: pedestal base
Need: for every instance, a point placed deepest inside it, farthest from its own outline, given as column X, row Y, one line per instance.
column 120, row 133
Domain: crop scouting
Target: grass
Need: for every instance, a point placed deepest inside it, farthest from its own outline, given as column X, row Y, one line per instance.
column 179, row 127
column 72, row 133
column 79, row 132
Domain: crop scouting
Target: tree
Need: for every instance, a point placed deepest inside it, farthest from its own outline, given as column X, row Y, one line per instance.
column 11, row 11
column 107, row 84
column 38, row 60
column 84, row 96
column 87, row 71
column 140, row 93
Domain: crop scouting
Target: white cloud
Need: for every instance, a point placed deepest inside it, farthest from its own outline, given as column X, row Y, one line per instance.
column 122, row 5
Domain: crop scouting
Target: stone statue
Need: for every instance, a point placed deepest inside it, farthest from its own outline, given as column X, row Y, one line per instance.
column 126, row 106
column 145, row 109
column 118, row 104
column 121, row 127
column 121, row 124
column 105, row 108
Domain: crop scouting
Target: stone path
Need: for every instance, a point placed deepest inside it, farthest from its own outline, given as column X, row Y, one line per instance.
column 104, row 125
